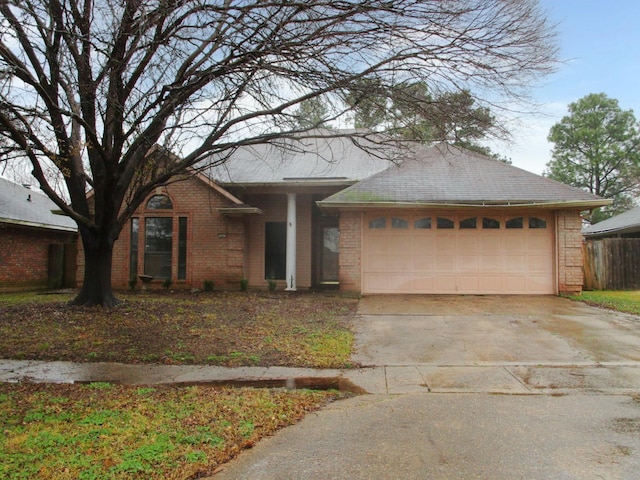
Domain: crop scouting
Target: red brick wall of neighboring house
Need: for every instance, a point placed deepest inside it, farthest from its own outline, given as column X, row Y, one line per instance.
column 24, row 256
column 350, row 251
column 570, row 264
column 215, row 242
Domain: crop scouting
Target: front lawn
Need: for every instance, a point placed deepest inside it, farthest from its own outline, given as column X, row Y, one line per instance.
column 623, row 301
column 105, row 431
column 102, row 431
column 217, row 328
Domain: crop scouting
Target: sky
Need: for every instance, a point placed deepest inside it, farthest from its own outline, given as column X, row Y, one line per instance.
column 599, row 43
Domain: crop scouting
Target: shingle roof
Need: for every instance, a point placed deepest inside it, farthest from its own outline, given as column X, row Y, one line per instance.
column 23, row 206
column 447, row 175
column 324, row 159
column 624, row 223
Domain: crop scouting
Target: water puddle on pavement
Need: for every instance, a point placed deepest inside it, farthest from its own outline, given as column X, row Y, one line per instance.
column 309, row 383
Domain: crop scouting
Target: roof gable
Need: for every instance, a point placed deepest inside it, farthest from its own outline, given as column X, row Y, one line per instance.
column 447, row 175
column 22, row 206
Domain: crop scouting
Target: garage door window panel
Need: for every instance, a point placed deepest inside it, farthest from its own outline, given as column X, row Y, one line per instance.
column 535, row 222
column 514, row 223
column 468, row 223
column 422, row 223
column 444, row 223
column 490, row 223
column 399, row 223
column 378, row 224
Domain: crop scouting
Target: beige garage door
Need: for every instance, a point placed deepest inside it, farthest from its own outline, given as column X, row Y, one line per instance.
column 458, row 253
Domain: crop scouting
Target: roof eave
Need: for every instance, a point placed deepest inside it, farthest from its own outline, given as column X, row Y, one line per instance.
column 24, row 223
column 613, row 231
column 552, row 205
column 284, row 184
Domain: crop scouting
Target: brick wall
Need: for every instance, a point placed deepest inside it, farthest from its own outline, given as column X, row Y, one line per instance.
column 569, row 251
column 24, row 255
column 215, row 242
column 350, row 251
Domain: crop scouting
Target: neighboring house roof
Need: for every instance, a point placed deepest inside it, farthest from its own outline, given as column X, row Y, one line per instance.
column 324, row 160
column 627, row 222
column 20, row 205
column 445, row 175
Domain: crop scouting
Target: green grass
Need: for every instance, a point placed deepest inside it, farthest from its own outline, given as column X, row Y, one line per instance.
column 103, row 431
column 622, row 301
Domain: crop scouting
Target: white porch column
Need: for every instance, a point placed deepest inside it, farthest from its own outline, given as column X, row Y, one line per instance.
column 291, row 242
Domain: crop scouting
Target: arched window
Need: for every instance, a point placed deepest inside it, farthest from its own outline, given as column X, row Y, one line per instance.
column 157, row 240
column 159, row 202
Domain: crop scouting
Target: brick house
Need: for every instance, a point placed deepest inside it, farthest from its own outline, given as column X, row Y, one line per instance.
column 38, row 246
column 437, row 220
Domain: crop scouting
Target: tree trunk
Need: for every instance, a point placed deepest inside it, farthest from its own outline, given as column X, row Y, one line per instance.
column 96, row 286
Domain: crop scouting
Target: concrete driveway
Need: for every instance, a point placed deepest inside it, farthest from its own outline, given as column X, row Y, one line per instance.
column 480, row 330
column 496, row 344
column 473, row 387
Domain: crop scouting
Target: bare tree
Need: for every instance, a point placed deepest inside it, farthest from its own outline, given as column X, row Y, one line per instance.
column 91, row 86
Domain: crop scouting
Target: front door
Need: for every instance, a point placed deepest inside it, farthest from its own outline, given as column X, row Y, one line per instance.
column 326, row 246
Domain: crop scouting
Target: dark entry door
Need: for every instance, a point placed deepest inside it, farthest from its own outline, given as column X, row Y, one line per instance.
column 326, row 243
column 275, row 250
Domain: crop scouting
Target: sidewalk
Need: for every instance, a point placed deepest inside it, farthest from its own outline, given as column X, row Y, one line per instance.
column 507, row 378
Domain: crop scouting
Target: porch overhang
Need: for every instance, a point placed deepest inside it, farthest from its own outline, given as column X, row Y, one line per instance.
column 240, row 209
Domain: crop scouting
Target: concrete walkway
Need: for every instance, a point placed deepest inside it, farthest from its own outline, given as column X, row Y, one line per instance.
column 613, row 379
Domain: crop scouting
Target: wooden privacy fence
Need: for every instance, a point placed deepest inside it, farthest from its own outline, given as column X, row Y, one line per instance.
column 612, row 264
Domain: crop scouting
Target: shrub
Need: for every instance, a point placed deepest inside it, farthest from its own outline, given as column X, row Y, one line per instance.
column 167, row 283
column 244, row 284
column 272, row 285
column 208, row 285
column 132, row 283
